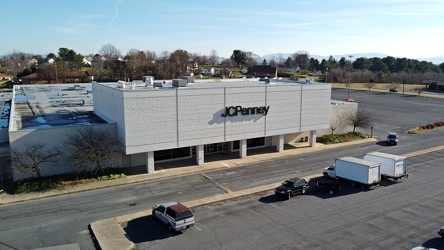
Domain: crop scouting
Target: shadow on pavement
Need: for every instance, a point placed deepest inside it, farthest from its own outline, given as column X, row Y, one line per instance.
column 435, row 243
column 145, row 229
column 271, row 199
column 324, row 193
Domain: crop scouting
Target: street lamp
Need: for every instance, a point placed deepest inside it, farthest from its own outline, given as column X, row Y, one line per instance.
column 350, row 56
column 326, row 74
column 349, row 80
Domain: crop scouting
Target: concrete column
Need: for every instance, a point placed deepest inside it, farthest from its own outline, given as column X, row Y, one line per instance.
column 150, row 162
column 243, row 148
column 230, row 146
column 280, row 143
column 199, row 154
column 312, row 138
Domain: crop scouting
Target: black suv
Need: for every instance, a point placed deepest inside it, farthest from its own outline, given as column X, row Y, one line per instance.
column 292, row 187
column 392, row 138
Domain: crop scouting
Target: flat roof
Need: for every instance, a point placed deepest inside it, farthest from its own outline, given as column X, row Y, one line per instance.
column 52, row 105
column 217, row 83
column 56, row 105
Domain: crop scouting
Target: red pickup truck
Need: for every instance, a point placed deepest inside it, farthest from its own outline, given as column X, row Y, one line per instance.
column 176, row 216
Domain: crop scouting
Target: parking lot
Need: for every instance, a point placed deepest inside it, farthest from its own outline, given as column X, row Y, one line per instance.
column 395, row 215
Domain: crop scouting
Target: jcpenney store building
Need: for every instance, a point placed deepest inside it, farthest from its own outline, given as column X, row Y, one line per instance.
column 158, row 121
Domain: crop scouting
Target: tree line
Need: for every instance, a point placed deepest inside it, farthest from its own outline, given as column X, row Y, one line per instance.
column 110, row 65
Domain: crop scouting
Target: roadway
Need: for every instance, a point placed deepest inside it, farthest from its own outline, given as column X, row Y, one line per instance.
column 65, row 219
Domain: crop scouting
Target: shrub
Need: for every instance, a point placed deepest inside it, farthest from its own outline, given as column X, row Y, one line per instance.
column 110, row 177
column 26, row 186
column 329, row 139
column 357, row 135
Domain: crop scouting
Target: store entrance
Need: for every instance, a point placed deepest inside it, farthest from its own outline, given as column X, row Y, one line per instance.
column 215, row 148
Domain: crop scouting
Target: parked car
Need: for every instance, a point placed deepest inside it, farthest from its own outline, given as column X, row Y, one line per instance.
column 441, row 232
column 176, row 216
column 393, row 90
column 392, row 138
column 292, row 187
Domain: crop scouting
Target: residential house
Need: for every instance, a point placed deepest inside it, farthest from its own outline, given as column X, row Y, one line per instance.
column 5, row 77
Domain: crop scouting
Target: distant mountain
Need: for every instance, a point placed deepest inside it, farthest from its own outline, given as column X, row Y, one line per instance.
column 435, row 60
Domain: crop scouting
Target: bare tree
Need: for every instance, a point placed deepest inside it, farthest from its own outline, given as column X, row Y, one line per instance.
column 32, row 157
column 109, row 52
column 358, row 119
column 228, row 63
column 419, row 90
column 47, row 71
column 91, row 149
column 213, row 57
column 370, row 85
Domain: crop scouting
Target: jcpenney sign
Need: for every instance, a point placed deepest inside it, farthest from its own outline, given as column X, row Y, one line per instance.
column 235, row 110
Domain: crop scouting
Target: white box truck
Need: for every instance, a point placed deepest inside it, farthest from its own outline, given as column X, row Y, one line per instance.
column 357, row 171
column 392, row 166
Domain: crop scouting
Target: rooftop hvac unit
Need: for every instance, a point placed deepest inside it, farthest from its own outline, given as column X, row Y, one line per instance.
column 180, row 83
column 121, row 84
column 157, row 84
column 148, row 79
column 189, row 79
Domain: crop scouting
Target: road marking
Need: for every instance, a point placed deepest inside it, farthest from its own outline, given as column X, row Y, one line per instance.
column 198, row 228
column 219, row 186
column 275, row 206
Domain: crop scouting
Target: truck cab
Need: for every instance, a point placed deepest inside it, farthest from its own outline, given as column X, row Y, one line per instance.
column 329, row 172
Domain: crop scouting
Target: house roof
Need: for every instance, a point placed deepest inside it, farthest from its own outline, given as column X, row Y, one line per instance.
column 5, row 75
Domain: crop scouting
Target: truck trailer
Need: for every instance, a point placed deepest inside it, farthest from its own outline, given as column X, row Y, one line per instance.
column 392, row 166
column 357, row 171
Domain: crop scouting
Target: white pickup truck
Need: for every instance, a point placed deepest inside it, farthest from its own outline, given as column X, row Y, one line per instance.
column 176, row 216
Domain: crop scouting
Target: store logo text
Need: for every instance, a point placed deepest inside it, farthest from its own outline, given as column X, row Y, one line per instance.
column 235, row 110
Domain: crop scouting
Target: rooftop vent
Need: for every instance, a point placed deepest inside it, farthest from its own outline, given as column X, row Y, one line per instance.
column 180, row 83
column 157, row 84
column 148, row 79
column 121, row 84
column 189, row 79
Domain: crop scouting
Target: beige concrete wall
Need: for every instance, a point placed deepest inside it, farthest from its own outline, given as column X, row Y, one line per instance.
column 51, row 138
column 339, row 110
column 157, row 119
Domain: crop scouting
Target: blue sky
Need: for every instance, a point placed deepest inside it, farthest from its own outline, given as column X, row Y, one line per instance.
column 400, row 28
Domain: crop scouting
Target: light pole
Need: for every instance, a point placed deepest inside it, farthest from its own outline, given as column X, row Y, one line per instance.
column 351, row 56
column 326, row 74
column 349, row 80
column 348, row 93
